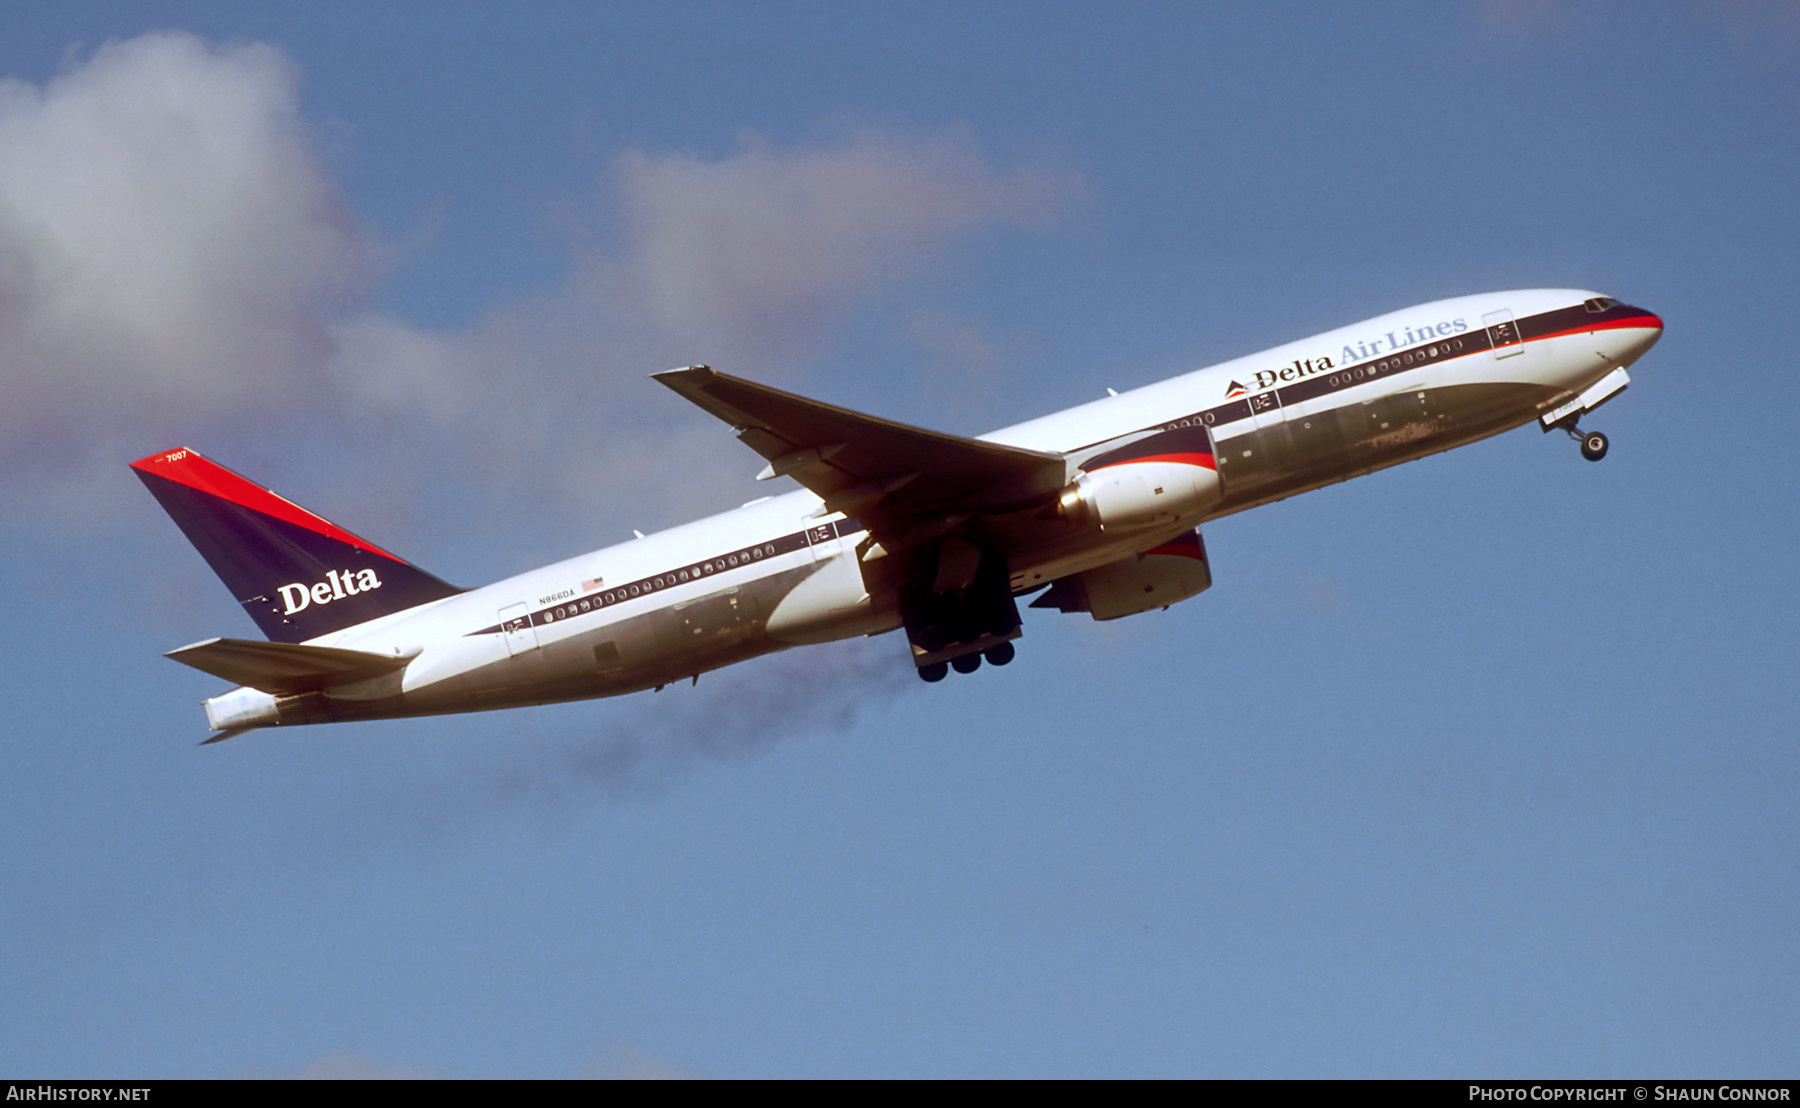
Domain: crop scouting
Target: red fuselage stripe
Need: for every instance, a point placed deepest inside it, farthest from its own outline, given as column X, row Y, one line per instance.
column 1646, row 322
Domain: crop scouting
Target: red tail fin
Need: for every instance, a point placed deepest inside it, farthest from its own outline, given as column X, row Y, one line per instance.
column 298, row 575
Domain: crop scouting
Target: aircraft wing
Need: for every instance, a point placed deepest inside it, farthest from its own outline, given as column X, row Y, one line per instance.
column 283, row 668
column 885, row 472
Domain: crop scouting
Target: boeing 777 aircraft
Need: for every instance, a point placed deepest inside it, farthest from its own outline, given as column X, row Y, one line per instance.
column 895, row 526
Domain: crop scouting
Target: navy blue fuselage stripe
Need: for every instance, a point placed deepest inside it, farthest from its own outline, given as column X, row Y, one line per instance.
column 606, row 596
column 1473, row 341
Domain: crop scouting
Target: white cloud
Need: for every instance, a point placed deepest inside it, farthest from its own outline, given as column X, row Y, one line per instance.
column 384, row 364
column 742, row 261
column 759, row 247
column 168, row 240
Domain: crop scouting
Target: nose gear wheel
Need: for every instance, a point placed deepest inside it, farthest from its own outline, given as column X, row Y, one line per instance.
column 1593, row 443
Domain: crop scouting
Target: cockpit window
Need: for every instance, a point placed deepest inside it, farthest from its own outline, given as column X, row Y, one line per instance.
column 1600, row 304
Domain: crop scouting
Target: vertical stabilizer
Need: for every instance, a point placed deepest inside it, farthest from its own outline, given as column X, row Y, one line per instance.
column 298, row 575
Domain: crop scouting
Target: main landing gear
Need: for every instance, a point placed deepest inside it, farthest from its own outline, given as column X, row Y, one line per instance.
column 997, row 655
column 958, row 608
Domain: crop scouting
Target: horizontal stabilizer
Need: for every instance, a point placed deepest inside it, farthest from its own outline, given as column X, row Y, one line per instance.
column 864, row 465
column 284, row 668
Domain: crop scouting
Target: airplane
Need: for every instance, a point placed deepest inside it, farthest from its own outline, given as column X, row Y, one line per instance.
column 1097, row 508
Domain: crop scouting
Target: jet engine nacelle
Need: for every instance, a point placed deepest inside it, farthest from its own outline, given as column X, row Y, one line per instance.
column 1156, row 578
column 1139, row 494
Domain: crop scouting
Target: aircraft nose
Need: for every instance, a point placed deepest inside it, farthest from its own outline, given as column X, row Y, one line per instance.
column 1640, row 333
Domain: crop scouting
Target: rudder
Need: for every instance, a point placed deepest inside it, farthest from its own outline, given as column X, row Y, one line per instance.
column 297, row 575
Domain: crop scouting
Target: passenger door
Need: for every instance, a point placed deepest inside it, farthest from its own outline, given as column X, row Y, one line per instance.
column 515, row 625
column 1503, row 333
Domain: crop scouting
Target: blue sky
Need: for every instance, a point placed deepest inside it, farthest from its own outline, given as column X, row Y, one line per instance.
column 1484, row 765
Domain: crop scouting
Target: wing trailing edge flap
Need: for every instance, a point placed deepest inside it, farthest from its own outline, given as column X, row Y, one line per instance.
column 886, row 471
column 285, row 668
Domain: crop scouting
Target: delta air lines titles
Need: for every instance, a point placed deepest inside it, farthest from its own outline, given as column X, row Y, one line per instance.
column 1362, row 350
column 1407, row 337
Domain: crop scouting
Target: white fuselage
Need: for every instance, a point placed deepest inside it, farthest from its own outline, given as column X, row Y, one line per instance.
column 777, row 572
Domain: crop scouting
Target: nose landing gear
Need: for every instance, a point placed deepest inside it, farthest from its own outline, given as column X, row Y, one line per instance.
column 1593, row 443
